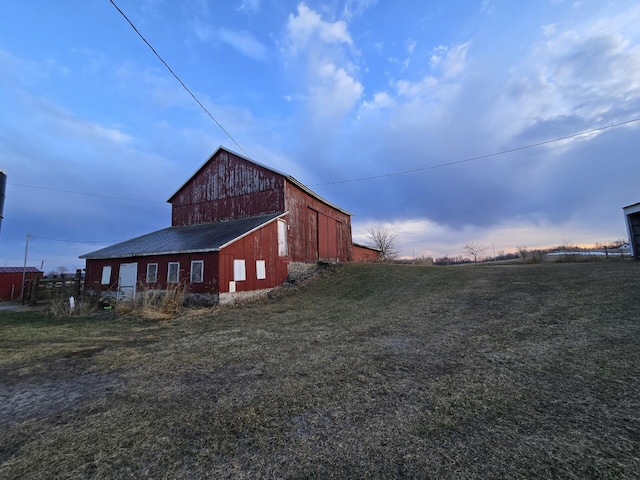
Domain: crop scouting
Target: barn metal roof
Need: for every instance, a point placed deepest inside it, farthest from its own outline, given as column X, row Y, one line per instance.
column 19, row 270
column 205, row 237
column 362, row 245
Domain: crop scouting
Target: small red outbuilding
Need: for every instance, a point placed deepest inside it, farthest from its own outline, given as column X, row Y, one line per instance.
column 11, row 281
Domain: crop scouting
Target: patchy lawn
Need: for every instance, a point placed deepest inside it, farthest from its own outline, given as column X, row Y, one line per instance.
column 371, row 371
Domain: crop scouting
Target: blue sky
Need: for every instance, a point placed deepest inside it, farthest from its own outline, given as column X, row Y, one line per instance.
column 328, row 92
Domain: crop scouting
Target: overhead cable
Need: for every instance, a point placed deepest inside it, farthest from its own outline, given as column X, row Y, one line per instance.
column 82, row 193
column 35, row 237
column 392, row 174
column 178, row 79
column 480, row 157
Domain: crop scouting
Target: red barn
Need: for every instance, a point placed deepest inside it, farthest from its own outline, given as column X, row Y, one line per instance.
column 365, row 253
column 11, row 281
column 235, row 227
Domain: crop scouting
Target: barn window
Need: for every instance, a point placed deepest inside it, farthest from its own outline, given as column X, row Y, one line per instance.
column 283, row 251
column 197, row 269
column 106, row 275
column 261, row 269
column 152, row 272
column 239, row 270
column 173, row 274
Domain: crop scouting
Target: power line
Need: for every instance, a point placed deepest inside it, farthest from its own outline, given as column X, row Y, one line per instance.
column 480, row 157
column 384, row 175
column 36, row 237
column 82, row 193
column 178, row 79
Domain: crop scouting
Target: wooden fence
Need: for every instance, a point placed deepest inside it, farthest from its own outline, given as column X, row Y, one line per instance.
column 45, row 290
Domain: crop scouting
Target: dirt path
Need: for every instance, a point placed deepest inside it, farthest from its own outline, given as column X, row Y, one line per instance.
column 38, row 397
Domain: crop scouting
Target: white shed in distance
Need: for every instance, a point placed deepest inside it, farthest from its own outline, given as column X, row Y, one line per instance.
column 632, row 219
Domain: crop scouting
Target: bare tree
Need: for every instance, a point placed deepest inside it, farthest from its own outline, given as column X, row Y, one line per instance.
column 473, row 250
column 381, row 238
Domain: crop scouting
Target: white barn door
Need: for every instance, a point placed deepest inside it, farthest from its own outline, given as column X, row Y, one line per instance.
column 127, row 281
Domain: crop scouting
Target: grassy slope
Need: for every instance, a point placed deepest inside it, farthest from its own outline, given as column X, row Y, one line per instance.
column 375, row 371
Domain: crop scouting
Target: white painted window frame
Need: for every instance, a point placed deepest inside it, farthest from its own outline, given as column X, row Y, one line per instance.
column 177, row 268
column 152, row 277
column 239, row 270
column 283, row 247
column 191, row 276
column 106, row 275
column 261, row 269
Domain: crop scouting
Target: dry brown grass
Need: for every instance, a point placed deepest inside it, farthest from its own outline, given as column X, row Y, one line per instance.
column 150, row 304
column 374, row 371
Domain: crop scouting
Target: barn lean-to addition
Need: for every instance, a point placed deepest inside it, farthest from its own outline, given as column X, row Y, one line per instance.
column 366, row 253
column 236, row 226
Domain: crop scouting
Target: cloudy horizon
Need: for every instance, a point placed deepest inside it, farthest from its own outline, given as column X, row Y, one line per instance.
column 479, row 101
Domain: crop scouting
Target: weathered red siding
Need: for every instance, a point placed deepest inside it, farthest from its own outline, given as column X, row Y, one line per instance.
column 93, row 274
column 226, row 187
column 11, row 284
column 317, row 230
column 261, row 244
column 364, row 254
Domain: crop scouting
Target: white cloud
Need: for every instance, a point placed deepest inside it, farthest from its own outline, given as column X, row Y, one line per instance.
column 381, row 100
column 244, row 42
column 63, row 124
column 354, row 8
column 249, row 6
column 415, row 103
column 154, row 85
column 326, row 72
column 487, row 6
column 412, row 90
column 455, row 60
column 582, row 77
column 335, row 92
column 203, row 31
column 308, row 26
column 438, row 54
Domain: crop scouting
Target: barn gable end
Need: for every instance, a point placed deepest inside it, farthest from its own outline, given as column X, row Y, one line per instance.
column 227, row 186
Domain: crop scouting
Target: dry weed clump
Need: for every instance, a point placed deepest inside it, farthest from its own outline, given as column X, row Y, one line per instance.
column 70, row 306
column 152, row 304
column 530, row 257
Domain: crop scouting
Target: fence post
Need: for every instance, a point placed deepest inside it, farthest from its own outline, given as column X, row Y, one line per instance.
column 76, row 286
column 34, row 290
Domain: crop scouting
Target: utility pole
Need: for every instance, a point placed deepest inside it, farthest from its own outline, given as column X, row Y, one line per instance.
column 24, row 267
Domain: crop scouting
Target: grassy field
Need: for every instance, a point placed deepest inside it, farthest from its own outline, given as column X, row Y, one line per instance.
column 369, row 371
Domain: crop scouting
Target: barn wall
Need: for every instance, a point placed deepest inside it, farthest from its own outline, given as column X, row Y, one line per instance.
column 227, row 187
column 364, row 254
column 11, row 284
column 93, row 274
column 317, row 230
column 261, row 244
column 632, row 217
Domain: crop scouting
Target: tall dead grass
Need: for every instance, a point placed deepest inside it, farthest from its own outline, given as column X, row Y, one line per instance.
column 152, row 304
column 64, row 306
